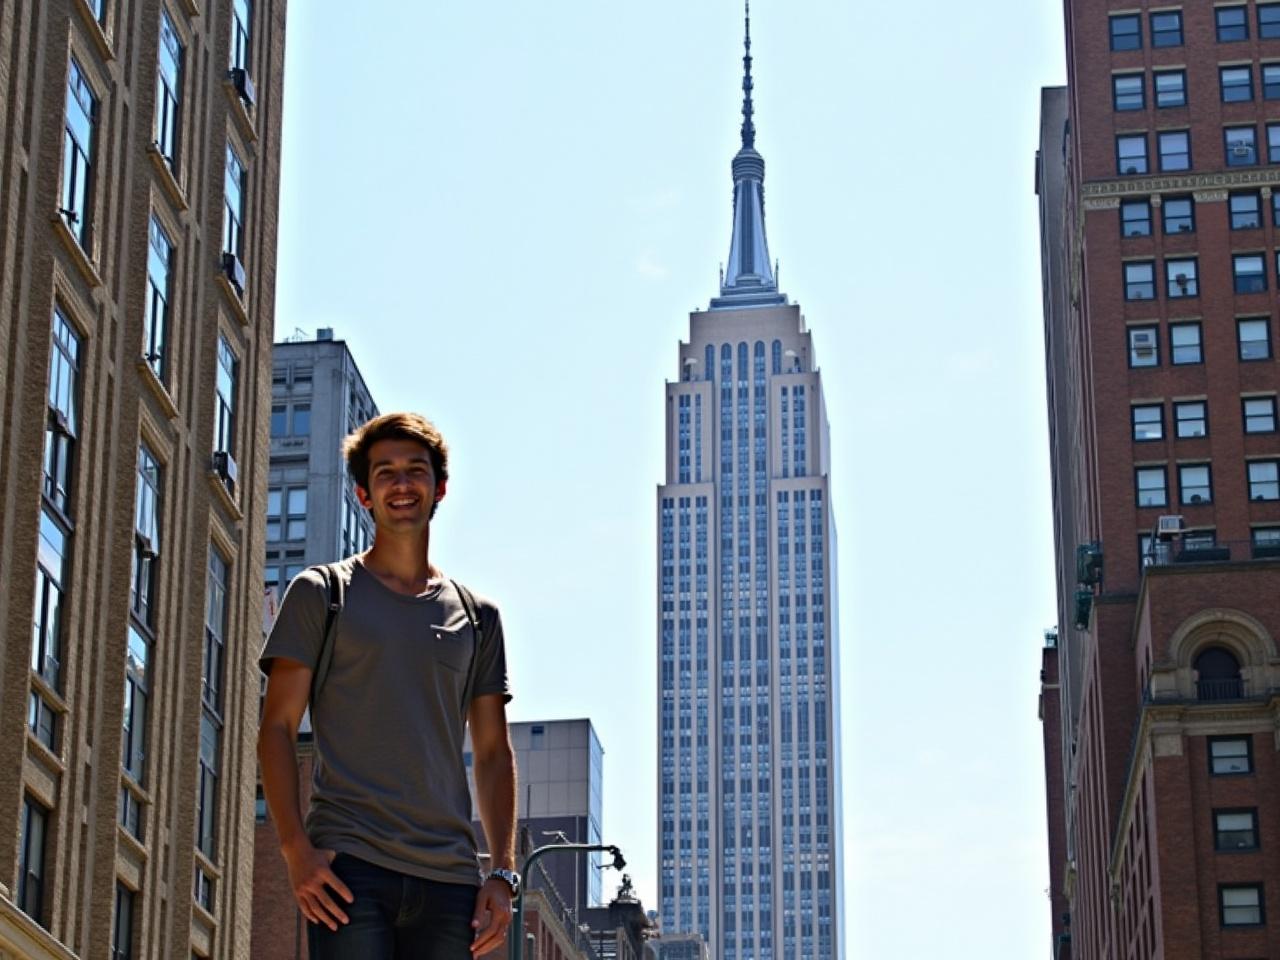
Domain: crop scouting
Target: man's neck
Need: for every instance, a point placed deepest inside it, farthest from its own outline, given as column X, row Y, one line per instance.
column 401, row 561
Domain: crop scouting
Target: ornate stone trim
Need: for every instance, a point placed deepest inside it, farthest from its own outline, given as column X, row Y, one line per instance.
column 1225, row 180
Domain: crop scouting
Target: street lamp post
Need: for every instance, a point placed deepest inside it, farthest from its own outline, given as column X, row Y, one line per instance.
column 517, row 912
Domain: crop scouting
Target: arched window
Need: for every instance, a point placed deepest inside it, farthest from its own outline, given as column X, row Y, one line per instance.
column 777, row 356
column 1218, row 675
column 710, row 368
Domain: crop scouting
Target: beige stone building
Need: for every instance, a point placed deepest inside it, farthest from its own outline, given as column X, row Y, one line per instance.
column 139, row 183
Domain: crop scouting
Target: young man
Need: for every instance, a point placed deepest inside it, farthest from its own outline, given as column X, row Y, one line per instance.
column 385, row 866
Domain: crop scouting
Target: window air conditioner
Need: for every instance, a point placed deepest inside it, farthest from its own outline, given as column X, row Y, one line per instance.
column 233, row 270
column 1184, row 228
column 224, row 465
column 1180, row 279
column 239, row 78
column 1168, row 525
column 1239, row 149
column 1130, row 170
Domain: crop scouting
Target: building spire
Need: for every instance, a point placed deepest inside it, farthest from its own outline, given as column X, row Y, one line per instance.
column 748, row 279
column 748, row 109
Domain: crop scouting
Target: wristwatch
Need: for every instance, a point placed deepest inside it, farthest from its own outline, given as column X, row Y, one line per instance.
column 509, row 877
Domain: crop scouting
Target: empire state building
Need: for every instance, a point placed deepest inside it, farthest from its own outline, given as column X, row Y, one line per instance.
column 748, row 646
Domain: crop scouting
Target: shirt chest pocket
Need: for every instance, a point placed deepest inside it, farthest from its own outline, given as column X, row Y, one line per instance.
column 451, row 647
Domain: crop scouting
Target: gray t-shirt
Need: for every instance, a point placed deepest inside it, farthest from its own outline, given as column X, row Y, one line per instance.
column 390, row 784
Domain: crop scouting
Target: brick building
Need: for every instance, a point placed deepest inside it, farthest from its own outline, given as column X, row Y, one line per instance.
column 1160, row 690
column 139, row 172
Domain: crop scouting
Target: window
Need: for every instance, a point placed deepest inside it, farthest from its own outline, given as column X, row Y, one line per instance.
column 1151, row 487
column 146, row 535
column 292, row 525
column 1166, row 29
column 1232, row 24
column 1184, row 343
column 1259, row 414
column 1241, row 145
column 1128, row 91
column 133, row 759
column 77, row 154
column 1140, row 280
column 1254, row 337
column 1271, row 81
column 1171, row 88
column 1269, row 20
column 1266, row 541
column 1248, row 273
column 1148, row 422
column 1273, row 143
column 1246, row 210
column 1126, row 32
column 301, row 426
column 1143, row 350
column 1236, row 84
column 215, row 629
column 1240, row 905
column 1190, row 419
column 224, row 423
column 241, row 23
column 169, row 92
column 1175, row 150
column 1229, row 755
column 155, row 319
column 46, row 641
column 63, row 414
column 1135, row 218
column 233, row 207
column 1179, row 215
column 1264, row 479
column 207, row 787
column 1131, row 154
column 31, row 859
column 122, row 926
column 1180, row 279
column 1235, row 829
column 1195, row 484
column 279, row 420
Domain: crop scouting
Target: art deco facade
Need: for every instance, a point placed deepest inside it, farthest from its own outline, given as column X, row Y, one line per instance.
column 139, row 170
column 748, row 718
column 1157, row 176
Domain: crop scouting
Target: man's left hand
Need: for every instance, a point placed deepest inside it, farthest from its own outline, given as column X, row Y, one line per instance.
column 492, row 916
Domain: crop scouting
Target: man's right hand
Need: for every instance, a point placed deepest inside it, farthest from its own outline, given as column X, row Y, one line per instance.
column 311, row 875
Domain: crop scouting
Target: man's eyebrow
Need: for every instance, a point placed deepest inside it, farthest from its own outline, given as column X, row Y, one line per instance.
column 423, row 458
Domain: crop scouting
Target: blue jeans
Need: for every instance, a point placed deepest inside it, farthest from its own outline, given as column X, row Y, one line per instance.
column 395, row 917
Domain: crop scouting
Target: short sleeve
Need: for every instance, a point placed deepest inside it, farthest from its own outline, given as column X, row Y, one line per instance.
column 491, row 655
column 298, row 632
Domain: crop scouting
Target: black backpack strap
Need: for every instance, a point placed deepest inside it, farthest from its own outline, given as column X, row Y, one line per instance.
column 336, row 587
column 472, row 610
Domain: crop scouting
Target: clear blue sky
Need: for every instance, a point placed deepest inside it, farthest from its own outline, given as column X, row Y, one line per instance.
column 508, row 210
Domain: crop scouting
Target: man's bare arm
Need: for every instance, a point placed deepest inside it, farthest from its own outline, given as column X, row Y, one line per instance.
column 288, row 690
column 495, row 770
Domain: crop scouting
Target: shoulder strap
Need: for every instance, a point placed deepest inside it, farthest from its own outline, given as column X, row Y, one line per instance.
column 472, row 610
column 335, row 582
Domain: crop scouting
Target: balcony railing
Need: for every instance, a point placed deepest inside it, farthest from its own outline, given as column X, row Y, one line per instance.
column 1223, row 688
column 1165, row 553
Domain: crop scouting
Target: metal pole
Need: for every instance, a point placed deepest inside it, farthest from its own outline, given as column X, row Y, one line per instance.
column 517, row 910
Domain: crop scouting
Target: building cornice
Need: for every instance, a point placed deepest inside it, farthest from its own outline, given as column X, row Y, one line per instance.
column 1102, row 194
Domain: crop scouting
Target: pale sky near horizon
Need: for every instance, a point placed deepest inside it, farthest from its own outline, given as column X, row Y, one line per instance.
column 508, row 210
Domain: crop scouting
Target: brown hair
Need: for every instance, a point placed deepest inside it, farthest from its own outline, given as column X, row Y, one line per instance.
column 395, row 426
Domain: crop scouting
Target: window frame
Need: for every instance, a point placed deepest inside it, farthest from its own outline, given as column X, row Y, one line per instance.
column 1270, row 86
column 1220, row 28
column 76, row 189
column 1270, row 29
column 1134, row 359
column 1225, row 888
column 1265, row 323
column 1270, row 414
column 168, row 119
column 1235, row 216
column 226, row 397
column 33, row 855
column 1245, row 152
column 1174, row 347
column 1186, row 496
column 1166, row 36
column 1246, row 739
column 157, row 312
column 1139, row 166
column 1129, row 101
column 1252, row 281
column 1161, row 97
column 1230, row 87
column 1272, row 484
column 1273, row 142
column 1218, row 831
column 1188, row 268
column 1133, row 287
column 1144, row 206
column 1119, row 41
column 1178, row 220
column 1134, row 422
column 1186, row 406
column 1139, row 489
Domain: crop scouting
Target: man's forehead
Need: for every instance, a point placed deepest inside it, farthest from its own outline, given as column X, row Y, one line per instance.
column 391, row 451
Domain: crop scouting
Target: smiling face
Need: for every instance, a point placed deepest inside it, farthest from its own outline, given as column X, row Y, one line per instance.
column 402, row 492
